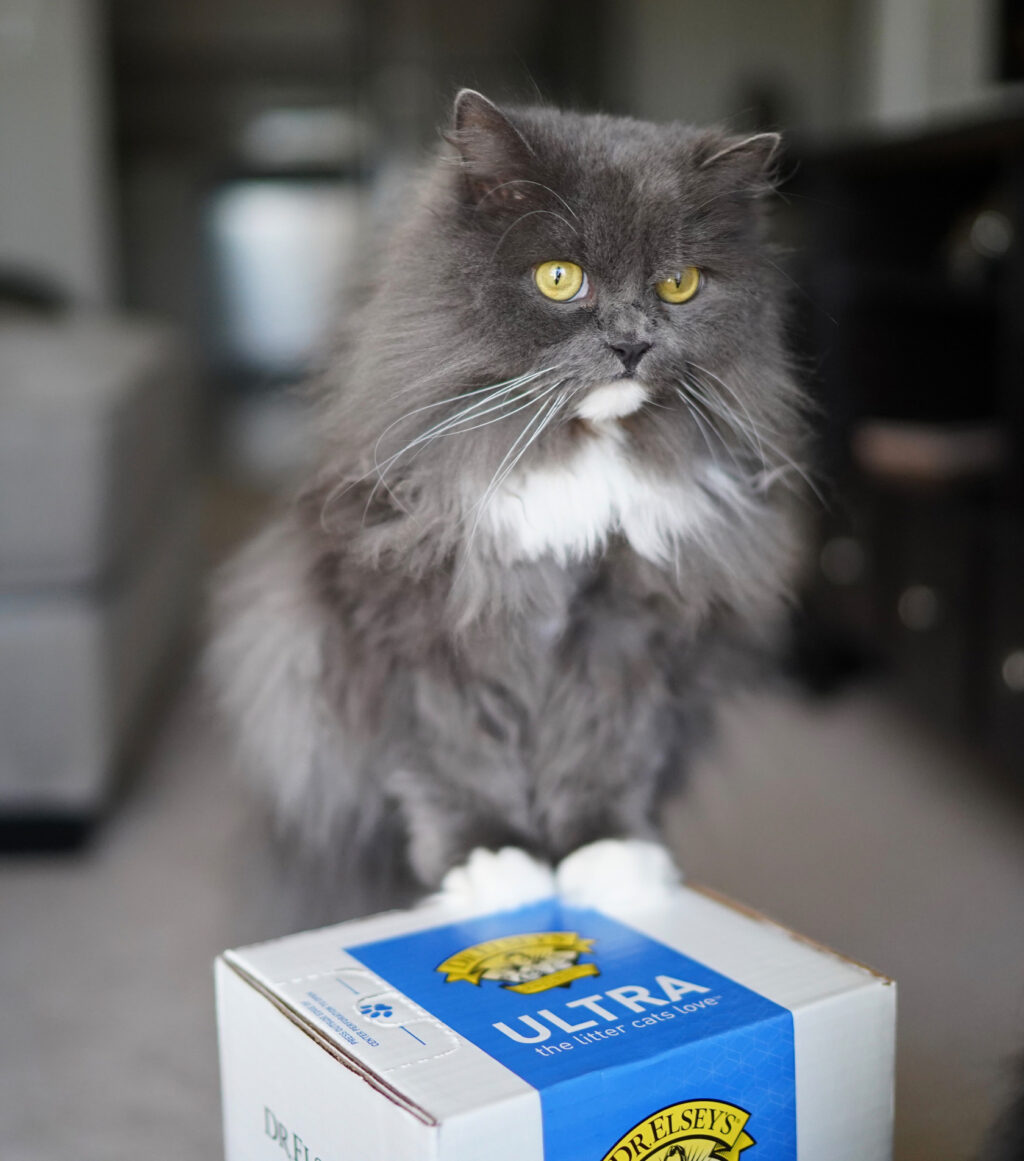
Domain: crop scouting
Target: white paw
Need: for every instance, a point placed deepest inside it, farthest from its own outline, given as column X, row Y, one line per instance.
column 618, row 872
column 497, row 880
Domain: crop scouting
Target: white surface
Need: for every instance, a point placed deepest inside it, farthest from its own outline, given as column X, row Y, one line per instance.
column 273, row 1074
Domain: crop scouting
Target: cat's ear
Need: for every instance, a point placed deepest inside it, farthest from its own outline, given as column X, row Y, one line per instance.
column 495, row 156
column 749, row 163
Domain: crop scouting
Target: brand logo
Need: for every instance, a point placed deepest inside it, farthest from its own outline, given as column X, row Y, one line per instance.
column 689, row 1131
column 523, row 963
column 291, row 1144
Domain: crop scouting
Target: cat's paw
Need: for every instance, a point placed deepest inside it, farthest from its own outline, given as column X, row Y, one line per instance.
column 618, row 872
column 497, row 880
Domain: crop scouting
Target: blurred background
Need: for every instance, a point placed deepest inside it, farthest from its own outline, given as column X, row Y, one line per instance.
column 185, row 187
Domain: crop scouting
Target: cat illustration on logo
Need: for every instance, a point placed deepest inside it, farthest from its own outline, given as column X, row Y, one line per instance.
column 528, row 963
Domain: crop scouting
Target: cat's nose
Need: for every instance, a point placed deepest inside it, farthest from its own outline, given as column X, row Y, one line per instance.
column 630, row 352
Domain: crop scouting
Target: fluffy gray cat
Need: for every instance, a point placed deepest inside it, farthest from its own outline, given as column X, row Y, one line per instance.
column 553, row 521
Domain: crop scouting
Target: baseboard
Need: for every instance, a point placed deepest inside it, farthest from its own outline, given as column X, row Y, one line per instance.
column 45, row 832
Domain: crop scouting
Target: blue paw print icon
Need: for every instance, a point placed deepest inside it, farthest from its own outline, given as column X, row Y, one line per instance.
column 376, row 1011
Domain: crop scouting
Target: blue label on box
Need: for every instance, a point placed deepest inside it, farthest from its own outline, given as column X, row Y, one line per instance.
column 639, row 1053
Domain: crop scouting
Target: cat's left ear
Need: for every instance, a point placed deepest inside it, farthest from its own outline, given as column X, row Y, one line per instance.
column 494, row 154
column 747, row 162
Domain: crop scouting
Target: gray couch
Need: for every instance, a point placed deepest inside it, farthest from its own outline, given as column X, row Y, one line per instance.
column 99, row 557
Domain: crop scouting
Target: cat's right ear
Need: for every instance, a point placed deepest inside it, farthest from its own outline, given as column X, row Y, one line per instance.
column 494, row 155
column 748, row 162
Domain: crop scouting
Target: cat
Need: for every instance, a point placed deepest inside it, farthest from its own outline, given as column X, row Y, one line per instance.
column 555, row 518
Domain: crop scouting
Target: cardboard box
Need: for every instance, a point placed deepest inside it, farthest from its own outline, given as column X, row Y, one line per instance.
column 695, row 1031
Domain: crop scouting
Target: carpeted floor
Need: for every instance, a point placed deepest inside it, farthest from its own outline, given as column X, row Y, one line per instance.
column 841, row 819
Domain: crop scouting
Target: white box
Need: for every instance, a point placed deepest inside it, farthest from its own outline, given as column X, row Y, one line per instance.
column 695, row 1031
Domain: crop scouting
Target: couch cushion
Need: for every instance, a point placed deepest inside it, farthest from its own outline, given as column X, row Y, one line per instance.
column 96, row 415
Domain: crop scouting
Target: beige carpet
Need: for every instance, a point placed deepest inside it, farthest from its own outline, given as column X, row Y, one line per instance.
column 842, row 820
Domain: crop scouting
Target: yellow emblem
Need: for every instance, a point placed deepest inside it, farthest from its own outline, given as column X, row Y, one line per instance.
column 689, row 1131
column 523, row 963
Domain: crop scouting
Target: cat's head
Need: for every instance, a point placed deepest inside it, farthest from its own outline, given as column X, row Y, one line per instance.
column 565, row 273
column 610, row 248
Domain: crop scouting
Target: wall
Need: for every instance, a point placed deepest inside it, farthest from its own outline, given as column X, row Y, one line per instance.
column 53, row 180
column 924, row 57
column 709, row 60
column 826, row 64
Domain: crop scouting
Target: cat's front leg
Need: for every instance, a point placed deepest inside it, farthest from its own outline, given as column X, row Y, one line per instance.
column 600, row 830
column 618, row 872
column 469, row 843
column 498, row 880
column 608, row 872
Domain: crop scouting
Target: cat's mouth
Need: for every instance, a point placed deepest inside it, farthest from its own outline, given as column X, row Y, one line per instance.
column 614, row 400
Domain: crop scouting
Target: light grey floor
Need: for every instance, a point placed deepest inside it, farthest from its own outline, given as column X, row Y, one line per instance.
column 847, row 822
column 841, row 819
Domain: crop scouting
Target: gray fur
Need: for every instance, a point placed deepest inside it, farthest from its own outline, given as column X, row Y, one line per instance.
column 386, row 661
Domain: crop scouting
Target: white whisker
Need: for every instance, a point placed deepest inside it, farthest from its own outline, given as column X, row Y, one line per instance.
column 762, row 425
column 454, row 426
column 506, row 384
column 700, row 426
column 545, row 414
column 522, row 218
column 711, row 407
column 491, row 392
column 495, row 391
column 498, row 480
column 773, row 447
column 426, row 437
column 527, row 181
column 739, row 399
column 698, row 407
column 345, row 486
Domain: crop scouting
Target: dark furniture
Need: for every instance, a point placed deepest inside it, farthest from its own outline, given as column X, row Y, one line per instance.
column 912, row 259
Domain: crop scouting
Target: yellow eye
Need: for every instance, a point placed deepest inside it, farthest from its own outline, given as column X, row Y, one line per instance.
column 560, row 280
column 681, row 287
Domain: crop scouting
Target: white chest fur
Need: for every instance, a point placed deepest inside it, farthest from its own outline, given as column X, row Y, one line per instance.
column 570, row 510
